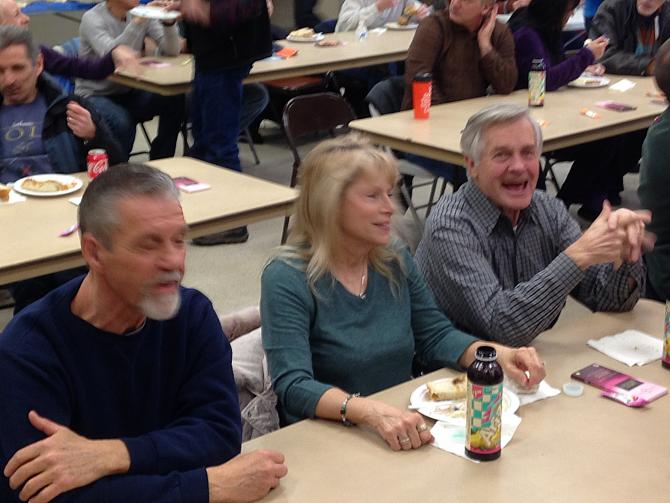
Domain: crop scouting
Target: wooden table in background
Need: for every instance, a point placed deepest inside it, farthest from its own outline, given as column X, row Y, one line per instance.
column 438, row 137
column 381, row 48
column 586, row 449
column 30, row 245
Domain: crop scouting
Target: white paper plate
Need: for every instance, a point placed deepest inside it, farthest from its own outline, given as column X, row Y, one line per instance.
column 59, row 178
column 395, row 26
column 314, row 38
column 154, row 13
column 453, row 411
column 589, row 81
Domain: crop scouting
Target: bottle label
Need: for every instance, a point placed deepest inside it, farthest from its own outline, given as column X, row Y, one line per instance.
column 666, row 338
column 483, row 423
column 536, row 87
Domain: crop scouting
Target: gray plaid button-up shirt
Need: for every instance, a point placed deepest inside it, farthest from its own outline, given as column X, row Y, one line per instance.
column 508, row 284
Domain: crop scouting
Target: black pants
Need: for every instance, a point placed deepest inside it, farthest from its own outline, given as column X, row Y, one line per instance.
column 599, row 167
column 28, row 291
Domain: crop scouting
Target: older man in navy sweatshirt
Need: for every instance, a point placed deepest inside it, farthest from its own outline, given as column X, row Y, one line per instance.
column 118, row 385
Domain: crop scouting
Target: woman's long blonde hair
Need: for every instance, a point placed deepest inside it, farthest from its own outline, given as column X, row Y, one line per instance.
column 325, row 174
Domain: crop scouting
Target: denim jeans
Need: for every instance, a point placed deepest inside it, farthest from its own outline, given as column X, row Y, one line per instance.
column 255, row 98
column 215, row 116
column 123, row 111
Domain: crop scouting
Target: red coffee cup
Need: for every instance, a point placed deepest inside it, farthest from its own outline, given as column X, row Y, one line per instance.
column 422, row 85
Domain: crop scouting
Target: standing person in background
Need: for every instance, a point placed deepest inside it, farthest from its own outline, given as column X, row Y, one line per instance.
column 225, row 39
column 303, row 13
column 654, row 183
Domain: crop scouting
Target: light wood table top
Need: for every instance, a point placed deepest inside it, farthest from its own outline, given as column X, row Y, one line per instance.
column 438, row 137
column 586, row 449
column 378, row 48
column 31, row 246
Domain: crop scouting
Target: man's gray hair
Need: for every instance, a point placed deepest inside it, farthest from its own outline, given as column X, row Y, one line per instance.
column 472, row 143
column 15, row 35
column 99, row 209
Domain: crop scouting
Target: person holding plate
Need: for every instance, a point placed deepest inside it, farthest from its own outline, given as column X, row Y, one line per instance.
column 345, row 312
column 376, row 13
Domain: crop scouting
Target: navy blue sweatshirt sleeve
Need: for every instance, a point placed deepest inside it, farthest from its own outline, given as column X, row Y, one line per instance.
column 73, row 66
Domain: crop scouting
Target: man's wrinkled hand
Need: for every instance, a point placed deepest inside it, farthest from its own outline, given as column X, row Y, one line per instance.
column 247, row 477
column 61, row 462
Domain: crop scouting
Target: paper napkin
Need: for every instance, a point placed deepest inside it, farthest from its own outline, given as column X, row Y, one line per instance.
column 622, row 85
column 451, row 438
column 631, row 347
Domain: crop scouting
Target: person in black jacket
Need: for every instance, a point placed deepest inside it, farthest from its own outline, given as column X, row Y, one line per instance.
column 225, row 38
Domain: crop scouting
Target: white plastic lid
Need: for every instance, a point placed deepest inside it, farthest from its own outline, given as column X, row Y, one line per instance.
column 573, row 389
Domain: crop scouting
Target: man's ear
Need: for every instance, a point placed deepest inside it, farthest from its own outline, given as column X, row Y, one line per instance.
column 39, row 63
column 470, row 167
column 90, row 249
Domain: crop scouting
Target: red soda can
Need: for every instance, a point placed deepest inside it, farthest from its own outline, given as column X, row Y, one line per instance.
column 96, row 162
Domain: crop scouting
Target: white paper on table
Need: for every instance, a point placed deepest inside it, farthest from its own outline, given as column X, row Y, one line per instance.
column 451, row 438
column 377, row 31
column 623, row 85
column 631, row 347
column 75, row 200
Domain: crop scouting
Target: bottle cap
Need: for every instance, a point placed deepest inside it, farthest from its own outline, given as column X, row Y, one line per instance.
column 423, row 77
column 573, row 389
column 485, row 353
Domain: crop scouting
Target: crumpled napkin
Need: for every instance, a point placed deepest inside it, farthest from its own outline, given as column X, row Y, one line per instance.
column 631, row 347
column 544, row 390
column 451, row 437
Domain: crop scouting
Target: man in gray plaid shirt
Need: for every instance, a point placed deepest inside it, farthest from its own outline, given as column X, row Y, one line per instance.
column 501, row 258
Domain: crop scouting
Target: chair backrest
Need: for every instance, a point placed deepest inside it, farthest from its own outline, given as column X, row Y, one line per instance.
column 314, row 113
column 385, row 97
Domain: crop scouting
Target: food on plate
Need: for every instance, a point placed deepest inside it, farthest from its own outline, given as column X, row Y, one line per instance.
column 46, row 185
column 302, row 33
column 4, row 193
column 448, row 389
column 407, row 14
column 328, row 42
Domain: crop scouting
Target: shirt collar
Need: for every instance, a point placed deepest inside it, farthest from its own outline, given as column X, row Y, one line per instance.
column 487, row 213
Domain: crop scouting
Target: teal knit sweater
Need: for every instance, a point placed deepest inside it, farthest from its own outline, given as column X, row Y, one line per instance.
column 337, row 339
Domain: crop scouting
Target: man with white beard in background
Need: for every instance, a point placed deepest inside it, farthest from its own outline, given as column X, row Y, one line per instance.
column 118, row 385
